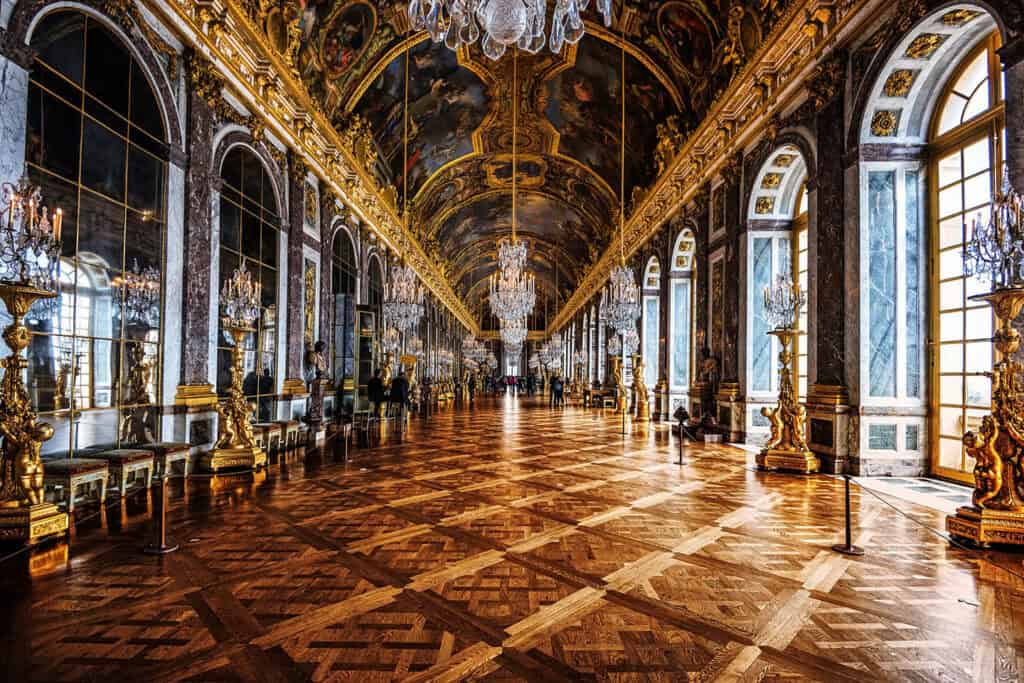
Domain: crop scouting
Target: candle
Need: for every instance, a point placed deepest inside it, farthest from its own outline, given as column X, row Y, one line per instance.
column 58, row 216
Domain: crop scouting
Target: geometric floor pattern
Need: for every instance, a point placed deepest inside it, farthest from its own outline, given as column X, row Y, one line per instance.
column 510, row 542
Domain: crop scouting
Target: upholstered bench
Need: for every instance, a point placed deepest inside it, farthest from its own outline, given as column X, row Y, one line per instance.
column 269, row 436
column 289, row 433
column 71, row 474
column 128, row 462
column 166, row 454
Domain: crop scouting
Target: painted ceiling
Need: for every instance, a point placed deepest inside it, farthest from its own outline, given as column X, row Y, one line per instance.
column 680, row 55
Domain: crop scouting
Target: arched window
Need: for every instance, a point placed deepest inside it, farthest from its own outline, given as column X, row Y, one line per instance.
column 344, row 276
column 96, row 145
column 966, row 168
column 249, row 234
column 650, row 326
column 602, row 337
column 680, row 301
column 375, row 290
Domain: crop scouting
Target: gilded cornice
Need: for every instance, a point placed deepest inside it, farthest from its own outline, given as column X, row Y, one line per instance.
column 772, row 80
column 269, row 88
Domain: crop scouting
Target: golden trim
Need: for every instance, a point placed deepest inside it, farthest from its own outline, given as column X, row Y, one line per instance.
column 195, row 395
column 828, row 395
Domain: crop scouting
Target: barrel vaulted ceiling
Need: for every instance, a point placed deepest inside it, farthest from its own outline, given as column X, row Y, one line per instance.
column 680, row 55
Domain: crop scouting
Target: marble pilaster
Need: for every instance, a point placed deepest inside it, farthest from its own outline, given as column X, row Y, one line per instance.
column 13, row 117
column 731, row 410
column 294, row 346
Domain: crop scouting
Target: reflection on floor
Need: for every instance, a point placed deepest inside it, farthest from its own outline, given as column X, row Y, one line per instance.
column 513, row 542
column 933, row 493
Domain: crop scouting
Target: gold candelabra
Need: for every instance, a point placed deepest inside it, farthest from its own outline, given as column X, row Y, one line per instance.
column 23, row 514
column 997, row 513
column 236, row 444
column 786, row 448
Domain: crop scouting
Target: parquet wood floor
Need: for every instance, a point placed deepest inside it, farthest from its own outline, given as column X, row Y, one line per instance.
column 510, row 542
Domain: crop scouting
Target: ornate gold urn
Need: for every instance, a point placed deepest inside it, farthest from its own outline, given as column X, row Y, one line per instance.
column 23, row 514
column 786, row 448
column 997, row 513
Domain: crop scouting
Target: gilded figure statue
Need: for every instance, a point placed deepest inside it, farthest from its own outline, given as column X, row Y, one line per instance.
column 135, row 423
column 642, row 399
column 670, row 140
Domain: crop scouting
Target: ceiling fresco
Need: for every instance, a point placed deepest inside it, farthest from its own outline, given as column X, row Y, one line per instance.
column 681, row 56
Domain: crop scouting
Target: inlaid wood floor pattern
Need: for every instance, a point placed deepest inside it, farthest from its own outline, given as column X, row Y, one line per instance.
column 510, row 542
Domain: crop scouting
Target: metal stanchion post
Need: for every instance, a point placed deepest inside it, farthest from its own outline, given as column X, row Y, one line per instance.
column 161, row 545
column 683, row 442
column 848, row 548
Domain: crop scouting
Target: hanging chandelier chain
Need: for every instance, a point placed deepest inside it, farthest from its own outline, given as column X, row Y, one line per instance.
column 515, row 133
column 622, row 150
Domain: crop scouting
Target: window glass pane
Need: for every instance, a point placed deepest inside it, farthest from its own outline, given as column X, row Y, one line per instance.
column 107, row 68
column 144, row 112
column 101, row 233
column 882, row 277
column 949, row 168
column 681, row 333
column 54, row 130
column 914, row 303
column 761, row 343
column 145, row 182
column 951, row 113
column 976, row 157
column 103, row 160
column 651, row 339
column 60, row 41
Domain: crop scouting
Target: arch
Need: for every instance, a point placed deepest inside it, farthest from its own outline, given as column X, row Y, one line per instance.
column 27, row 16
column 231, row 137
column 776, row 185
column 652, row 274
column 683, row 251
column 904, row 81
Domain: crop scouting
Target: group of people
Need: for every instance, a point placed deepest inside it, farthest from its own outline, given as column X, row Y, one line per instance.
column 395, row 395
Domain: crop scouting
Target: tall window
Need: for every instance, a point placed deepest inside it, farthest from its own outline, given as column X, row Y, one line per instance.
column 800, row 268
column 344, row 274
column 97, row 147
column 249, row 234
column 651, row 313
column 680, row 317
column 770, row 256
column 966, row 152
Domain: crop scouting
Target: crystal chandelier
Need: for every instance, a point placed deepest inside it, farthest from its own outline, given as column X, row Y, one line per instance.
column 403, row 296
column 623, row 292
column 490, row 360
column 533, row 362
column 512, row 292
column 29, row 238
column 473, row 350
column 138, row 290
column 499, row 24
column 995, row 251
column 240, row 299
column 783, row 303
column 513, row 332
column 415, row 348
column 390, row 339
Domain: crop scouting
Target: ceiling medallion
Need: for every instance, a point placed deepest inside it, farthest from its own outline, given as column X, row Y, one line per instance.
column 500, row 24
column 925, row 45
column 899, row 82
column 884, row 123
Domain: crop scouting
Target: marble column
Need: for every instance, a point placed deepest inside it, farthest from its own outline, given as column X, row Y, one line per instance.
column 13, row 117
column 702, row 262
column 731, row 409
column 294, row 342
column 201, row 182
column 328, row 212
column 828, row 397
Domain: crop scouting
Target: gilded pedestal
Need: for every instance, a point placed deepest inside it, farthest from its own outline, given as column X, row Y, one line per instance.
column 997, row 513
column 787, row 447
column 236, row 444
column 24, row 516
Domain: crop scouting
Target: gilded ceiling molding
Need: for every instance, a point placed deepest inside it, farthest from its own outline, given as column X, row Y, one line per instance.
column 267, row 86
column 773, row 79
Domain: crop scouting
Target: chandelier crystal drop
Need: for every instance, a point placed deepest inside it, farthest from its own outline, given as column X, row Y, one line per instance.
column 390, row 339
column 630, row 341
column 500, row 24
column 615, row 346
column 403, row 298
